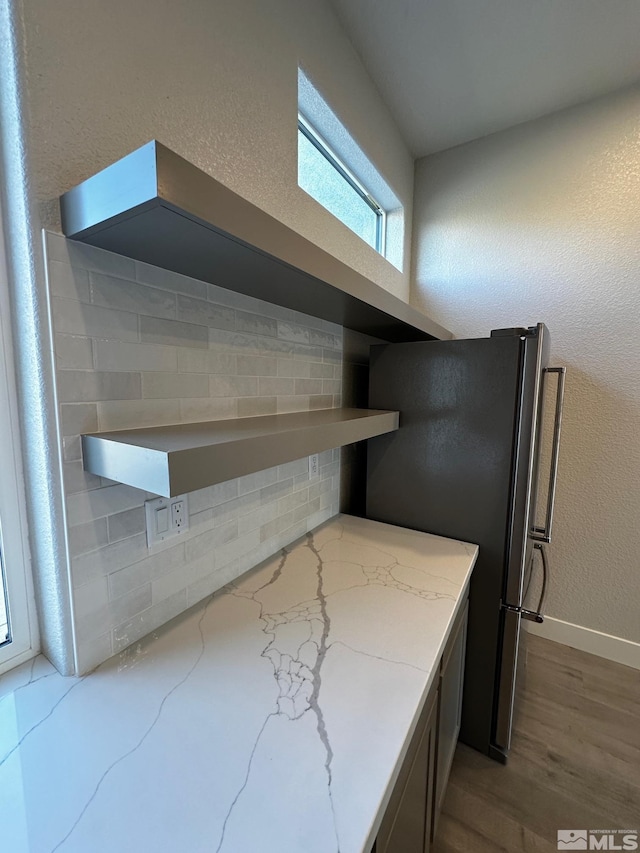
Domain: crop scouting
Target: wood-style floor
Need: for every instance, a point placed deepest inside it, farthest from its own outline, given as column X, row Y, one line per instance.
column 574, row 763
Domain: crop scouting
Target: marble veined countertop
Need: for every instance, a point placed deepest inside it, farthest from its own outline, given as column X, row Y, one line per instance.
column 272, row 718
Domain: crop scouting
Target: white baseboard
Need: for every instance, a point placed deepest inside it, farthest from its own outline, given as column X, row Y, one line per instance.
column 588, row 640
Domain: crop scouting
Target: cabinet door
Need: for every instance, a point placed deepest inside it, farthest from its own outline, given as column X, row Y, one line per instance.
column 450, row 708
column 406, row 825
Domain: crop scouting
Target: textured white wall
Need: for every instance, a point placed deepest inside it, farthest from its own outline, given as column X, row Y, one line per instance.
column 542, row 223
column 216, row 82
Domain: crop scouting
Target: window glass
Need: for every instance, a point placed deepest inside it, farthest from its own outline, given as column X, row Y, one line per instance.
column 18, row 630
column 326, row 179
column 4, row 616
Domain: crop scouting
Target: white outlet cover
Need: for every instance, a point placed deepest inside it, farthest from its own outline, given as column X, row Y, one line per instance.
column 160, row 518
column 314, row 466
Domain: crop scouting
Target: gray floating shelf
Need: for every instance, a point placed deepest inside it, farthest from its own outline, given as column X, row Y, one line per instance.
column 172, row 460
column 155, row 206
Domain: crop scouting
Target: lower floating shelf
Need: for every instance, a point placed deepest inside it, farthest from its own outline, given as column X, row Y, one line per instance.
column 172, row 460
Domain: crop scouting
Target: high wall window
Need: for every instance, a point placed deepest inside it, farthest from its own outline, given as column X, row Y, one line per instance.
column 334, row 169
column 329, row 181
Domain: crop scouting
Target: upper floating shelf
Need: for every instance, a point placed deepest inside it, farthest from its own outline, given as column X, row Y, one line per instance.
column 155, row 206
column 172, row 460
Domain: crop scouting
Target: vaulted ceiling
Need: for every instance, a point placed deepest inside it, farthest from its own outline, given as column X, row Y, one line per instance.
column 453, row 70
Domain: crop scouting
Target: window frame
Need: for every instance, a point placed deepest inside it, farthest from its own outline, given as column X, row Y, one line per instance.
column 309, row 132
column 24, row 643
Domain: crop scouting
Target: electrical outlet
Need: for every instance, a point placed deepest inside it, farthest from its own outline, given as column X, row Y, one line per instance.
column 178, row 515
column 314, row 466
column 166, row 519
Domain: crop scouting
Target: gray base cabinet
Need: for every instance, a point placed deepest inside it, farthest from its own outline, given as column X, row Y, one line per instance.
column 410, row 822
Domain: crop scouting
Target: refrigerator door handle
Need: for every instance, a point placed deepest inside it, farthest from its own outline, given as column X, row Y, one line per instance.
column 543, row 534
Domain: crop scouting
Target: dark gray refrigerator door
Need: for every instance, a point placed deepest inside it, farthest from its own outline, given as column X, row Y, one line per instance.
column 525, row 464
column 449, row 470
column 508, row 673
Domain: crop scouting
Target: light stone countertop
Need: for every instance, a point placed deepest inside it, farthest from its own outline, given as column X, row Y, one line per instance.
column 272, row 718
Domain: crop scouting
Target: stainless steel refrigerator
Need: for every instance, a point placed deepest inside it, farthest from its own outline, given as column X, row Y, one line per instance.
column 465, row 463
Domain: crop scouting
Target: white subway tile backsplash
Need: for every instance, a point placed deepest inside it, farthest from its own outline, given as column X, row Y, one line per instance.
column 320, row 370
column 300, row 479
column 192, row 572
column 110, row 500
column 173, row 333
column 334, row 329
column 126, row 606
column 71, row 449
column 87, row 537
column 93, row 651
column 276, row 386
column 294, row 367
column 236, row 508
column 146, row 621
column 208, row 409
column 205, row 313
column 209, row 541
column 129, row 414
column 83, row 386
column 79, row 418
column 249, row 344
column 249, row 304
column 66, row 281
column 301, row 512
column 127, row 523
column 308, row 386
column 272, row 528
column 120, row 356
column 334, row 356
column 203, row 361
column 73, row 352
column 322, row 339
column 321, row 401
column 124, row 295
column 78, row 318
column 236, row 548
column 331, row 386
column 76, row 479
column 293, row 501
column 131, row 577
column 255, row 365
column 311, row 322
column 91, row 596
column 154, row 347
column 276, row 490
column 82, row 256
column 292, row 469
column 233, row 386
column 213, row 495
column 256, row 324
column 293, row 332
column 108, row 559
column 175, row 283
column 257, row 481
column 292, row 403
column 254, row 520
column 253, row 406
column 174, row 385
column 307, row 352
column 231, row 299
